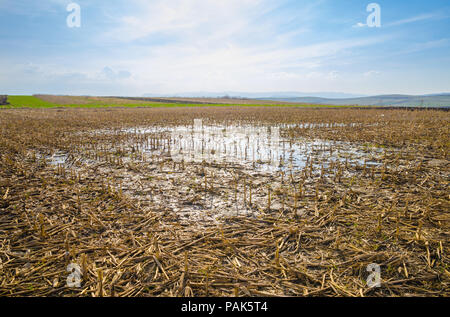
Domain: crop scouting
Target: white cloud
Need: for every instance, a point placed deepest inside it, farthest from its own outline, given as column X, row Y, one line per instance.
column 34, row 8
column 111, row 74
column 418, row 18
column 430, row 44
column 333, row 75
column 188, row 19
column 235, row 67
column 220, row 45
column 283, row 76
column 371, row 73
column 359, row 25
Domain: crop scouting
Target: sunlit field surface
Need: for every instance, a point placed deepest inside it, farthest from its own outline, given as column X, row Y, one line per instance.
column 224, row 201
column 52, row 101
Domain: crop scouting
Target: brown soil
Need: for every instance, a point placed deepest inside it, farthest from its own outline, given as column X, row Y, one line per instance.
column 83, row 100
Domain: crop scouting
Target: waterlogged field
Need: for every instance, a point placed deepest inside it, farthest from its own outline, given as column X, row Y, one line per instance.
column 227, row 201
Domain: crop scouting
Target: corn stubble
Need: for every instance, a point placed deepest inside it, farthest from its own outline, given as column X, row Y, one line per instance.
column 115, row 211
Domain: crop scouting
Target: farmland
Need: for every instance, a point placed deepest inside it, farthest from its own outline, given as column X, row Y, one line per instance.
column 53, row 101
column 222, row 201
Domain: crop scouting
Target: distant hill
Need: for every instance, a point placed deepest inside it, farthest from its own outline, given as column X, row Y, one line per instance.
column 441, row 100
column 325, row 98
column 254, row 95
column 443, row 94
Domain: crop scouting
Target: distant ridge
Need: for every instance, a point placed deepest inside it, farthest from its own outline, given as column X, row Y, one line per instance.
column 255, row 95
column 325, row 98
column 435, row 100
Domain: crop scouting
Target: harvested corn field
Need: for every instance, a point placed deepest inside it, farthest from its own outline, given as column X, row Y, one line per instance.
column 230, row 201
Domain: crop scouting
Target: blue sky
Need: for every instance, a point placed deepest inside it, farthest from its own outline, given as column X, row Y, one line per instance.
column 135, row 47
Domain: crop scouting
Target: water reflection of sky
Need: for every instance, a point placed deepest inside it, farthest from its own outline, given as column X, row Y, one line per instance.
column 259, row 147
column 262, row 147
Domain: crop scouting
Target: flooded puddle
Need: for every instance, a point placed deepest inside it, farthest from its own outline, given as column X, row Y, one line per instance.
column 57, row 158
column 204, row 173
column 261, row 148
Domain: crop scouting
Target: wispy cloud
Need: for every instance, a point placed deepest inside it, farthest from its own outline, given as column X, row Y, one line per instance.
column 224, row 45
column 371, row 73
column 416, row 47
column 414, row 19
column 359, row 25
column 33, row 8
column 235, row 66
column 188, row 19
